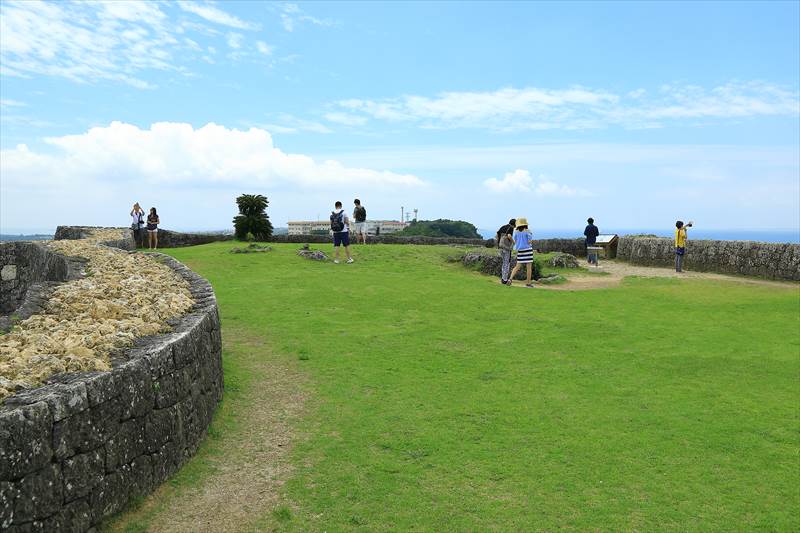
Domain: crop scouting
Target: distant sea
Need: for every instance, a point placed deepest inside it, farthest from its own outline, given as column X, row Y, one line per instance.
column 767, row 235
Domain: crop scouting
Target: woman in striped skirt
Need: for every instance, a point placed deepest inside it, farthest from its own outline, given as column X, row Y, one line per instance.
column 523, row 244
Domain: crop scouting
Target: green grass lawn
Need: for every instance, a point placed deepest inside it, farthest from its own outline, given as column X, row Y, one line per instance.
column 442, row 401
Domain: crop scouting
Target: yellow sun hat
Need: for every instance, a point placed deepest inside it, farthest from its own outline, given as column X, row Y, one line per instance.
column 522, row 221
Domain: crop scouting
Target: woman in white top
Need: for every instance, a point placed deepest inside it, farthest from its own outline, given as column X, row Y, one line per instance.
column 137, row 223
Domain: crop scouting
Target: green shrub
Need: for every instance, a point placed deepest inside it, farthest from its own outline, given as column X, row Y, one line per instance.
column 252, row 218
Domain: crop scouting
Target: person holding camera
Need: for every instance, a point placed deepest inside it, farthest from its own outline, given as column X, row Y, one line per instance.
column 137, row 224
column 680, row 243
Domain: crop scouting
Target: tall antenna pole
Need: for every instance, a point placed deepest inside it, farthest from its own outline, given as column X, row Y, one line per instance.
column 401, row 213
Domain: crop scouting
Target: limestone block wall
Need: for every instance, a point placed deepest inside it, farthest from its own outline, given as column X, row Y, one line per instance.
column 124, row 242
column 748, row 258
column 22, row 264
column 575, row 247
column 78, row 449
column 384, row 239
column 175, row 239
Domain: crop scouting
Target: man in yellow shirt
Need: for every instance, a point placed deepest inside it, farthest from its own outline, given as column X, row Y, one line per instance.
column 680, row 243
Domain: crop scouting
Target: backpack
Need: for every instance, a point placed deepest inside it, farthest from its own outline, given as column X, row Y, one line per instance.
column 361, row 213
column 337, row 221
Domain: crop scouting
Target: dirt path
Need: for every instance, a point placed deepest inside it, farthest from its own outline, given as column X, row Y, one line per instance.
column 248, row 465
column 617, row 271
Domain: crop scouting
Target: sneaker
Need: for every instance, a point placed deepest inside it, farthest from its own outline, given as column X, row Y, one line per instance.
column 335, row 261
column 350, row 260
column 530, row 285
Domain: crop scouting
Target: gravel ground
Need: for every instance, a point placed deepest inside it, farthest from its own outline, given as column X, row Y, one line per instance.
column 124, row 296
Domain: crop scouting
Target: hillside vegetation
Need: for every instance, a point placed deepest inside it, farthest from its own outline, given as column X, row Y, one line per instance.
column 442, row 228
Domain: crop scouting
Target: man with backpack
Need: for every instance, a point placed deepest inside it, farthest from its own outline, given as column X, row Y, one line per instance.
column 360, row 214
column 340, row 228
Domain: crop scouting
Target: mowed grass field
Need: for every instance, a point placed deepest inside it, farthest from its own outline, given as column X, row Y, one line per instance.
column 439, row 400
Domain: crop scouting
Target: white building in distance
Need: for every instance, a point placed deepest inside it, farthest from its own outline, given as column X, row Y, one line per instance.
column 374, row 227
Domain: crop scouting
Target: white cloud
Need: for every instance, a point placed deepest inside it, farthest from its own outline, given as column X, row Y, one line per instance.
column 11, row 103
column 521, row 181
column 106, row 40
column 346, row 118
column 177, row 154
column 264, row 48
column 287, row 123
column 532, row 108
column 235, row 40
column 213, row 14
column 85, row 42
column 291, row 14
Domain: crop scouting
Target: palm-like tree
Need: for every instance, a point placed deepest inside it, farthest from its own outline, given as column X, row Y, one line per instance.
column 252, row 217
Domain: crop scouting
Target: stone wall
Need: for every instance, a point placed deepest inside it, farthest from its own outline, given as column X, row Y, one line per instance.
column 166, row 238
column 77, row 450
column 385, row 239
column 23, row 264
column 747, row 258
column 28, row 274
column 175, row 239
column 575, row 247
column 124, row 240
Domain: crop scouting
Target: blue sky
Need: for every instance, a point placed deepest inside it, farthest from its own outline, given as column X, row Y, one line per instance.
column 634, row 113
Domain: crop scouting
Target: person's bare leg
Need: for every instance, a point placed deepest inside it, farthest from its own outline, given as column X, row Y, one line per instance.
column 347, row 251
column 155, row 240
column 513, row 273
column 528, row 273
column 336, row 253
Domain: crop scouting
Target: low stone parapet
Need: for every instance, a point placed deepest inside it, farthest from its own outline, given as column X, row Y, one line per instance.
column 77, row 450
column 748, row 258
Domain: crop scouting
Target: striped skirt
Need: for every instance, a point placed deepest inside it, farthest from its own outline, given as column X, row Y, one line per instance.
column 525, row 256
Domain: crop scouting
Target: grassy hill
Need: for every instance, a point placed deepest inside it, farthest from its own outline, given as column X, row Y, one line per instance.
column 439, row 400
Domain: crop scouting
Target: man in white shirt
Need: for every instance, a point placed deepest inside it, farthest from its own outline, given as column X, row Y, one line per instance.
column 340, row 228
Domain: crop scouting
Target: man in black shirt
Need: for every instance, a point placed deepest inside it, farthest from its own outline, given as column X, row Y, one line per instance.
column 591, row 232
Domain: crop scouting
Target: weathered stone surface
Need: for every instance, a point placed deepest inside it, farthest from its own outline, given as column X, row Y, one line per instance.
column 25, row 440
column 314, row 255
column 40, row 495
column 8, row 272
column 563, row 260
column 492, row 264
column 128, row 443
column 81, row 473
column 109, row 496
column 115, row 435
column 747, row 258
column 9, row 492
column 25, row 265
column 135, row 387
column 100, row 387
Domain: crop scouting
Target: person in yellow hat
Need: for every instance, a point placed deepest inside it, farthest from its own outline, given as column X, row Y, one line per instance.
column 523, row 244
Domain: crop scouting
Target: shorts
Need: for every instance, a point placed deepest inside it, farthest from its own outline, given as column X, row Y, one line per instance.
column 361, row 228
column 341, row 238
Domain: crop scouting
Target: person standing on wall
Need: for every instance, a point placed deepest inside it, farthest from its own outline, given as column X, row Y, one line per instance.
column 152, row 228
column 680, row 243
column 340, row 228
column 137, row 224
column 591, row 232
column 505, row 243
column 523, row 244
column 360, row 216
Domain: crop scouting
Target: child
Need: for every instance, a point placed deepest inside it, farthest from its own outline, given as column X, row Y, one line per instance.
column 680, row 243
column 523, row 244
